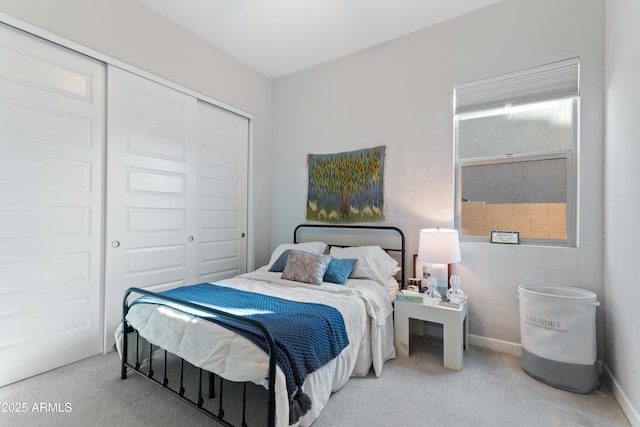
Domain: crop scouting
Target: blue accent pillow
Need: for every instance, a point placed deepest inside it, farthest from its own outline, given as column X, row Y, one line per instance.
column 339, row 270
column 278, row 265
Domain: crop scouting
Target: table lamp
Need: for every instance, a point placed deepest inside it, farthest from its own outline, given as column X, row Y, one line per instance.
column 439, row 246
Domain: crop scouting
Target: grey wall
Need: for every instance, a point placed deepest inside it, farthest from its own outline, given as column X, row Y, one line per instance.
column 622, row 202
column 133, row 33
column 400, row 94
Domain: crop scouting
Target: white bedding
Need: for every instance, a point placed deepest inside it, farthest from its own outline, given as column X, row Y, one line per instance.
column 364, row 305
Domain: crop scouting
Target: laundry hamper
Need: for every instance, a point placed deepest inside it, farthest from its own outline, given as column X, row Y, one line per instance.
column 558, row 335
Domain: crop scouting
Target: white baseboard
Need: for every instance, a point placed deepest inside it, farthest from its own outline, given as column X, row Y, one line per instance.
column 496, row 345
column 489, row 343
column 627, row 407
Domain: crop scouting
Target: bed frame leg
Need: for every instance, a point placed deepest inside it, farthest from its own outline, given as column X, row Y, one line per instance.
column 212, row 391
column 181, row 390
column 124, row 357
column 165, row 380
column 150, row 373
column 244, row 405
column 137, row 351
column 200, row 400
column 220, row 410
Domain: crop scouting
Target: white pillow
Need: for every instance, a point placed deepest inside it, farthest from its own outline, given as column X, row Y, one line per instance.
column 392, row 288
column 311, row 247
column 373, row 262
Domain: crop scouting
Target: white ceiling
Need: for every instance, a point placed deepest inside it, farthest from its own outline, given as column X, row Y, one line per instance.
column 278, row 37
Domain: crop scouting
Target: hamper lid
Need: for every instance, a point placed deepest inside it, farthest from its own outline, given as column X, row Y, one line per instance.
column 558, row 292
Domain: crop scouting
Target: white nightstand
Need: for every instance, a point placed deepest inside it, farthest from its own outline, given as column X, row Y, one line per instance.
column 454, row 324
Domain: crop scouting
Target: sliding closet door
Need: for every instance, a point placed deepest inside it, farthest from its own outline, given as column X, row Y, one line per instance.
column 151, row 189
column 51, row 157
column 176, row 190
column 223, row 146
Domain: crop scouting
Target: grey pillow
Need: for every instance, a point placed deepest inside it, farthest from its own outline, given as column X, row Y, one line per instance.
column 305, row 267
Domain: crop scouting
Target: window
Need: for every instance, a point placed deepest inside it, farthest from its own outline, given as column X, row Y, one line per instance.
column 516, row 139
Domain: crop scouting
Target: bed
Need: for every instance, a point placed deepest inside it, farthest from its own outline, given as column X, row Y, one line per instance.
column 347, row 276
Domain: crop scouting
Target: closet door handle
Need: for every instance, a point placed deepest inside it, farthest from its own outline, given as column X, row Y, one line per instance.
column 190, row 239
column 115, row 243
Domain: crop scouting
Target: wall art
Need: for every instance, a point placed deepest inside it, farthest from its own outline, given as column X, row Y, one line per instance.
column 346, row 187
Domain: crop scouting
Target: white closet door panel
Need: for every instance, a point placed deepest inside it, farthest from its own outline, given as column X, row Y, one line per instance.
column 54, row 124
column 223, row 150
column 151, row 143
column 51, row 157
column 51, row 173
column 151, row 189
column 25, row 63
column 219, row 258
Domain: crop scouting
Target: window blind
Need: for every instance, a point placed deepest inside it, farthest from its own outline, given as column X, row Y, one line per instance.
column 550, row 81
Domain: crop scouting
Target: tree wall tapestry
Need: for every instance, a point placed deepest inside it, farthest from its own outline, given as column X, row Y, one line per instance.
column 346, row 187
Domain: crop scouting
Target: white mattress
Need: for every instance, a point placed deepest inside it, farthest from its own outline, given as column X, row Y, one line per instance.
column 364, row 305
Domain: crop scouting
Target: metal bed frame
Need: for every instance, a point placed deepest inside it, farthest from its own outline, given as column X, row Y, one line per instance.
column 271, row 402
column 198, row 403
column 337, row 227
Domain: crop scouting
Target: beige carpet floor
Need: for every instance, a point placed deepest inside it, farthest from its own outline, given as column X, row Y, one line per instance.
column 491, row 390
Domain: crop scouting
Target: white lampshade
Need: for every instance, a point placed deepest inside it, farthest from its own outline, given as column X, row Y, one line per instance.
column 439, row 246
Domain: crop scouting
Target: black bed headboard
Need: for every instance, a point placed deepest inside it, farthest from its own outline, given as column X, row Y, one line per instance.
column 389, row 238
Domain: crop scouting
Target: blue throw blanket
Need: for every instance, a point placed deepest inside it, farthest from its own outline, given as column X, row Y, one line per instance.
column 307, row 335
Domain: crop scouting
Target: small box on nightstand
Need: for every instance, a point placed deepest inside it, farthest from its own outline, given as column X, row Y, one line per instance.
column 417, row 298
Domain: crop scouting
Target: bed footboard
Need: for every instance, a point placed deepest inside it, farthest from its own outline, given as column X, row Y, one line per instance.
column 165, row 375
